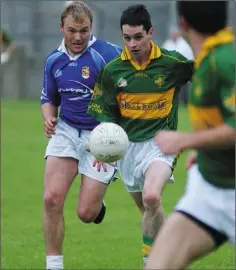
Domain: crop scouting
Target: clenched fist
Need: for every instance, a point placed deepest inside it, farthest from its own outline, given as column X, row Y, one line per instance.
column 50, row 126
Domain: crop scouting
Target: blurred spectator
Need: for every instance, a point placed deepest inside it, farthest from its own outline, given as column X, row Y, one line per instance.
column 176, row 42
column 7, row 46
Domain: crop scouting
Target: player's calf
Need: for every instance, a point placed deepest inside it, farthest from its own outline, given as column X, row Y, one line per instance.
column 152, row 221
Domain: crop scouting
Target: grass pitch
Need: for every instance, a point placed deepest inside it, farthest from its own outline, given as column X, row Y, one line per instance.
column 114, row 244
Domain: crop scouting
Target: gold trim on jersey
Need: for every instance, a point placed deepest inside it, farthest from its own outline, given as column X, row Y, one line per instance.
column 155, row 53
column 145, row 105
column 205, row 117
column 229, row 102
column 223, row 36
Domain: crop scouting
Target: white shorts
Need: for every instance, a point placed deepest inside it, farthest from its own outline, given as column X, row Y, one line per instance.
column 209, row 204
column 139, row 157
column 70, row 142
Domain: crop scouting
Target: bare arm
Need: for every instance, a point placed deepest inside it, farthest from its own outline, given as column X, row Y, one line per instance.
column 219, row 137
column 49, row 110
column 50, row 100
column 49, row 113
column 172, row 142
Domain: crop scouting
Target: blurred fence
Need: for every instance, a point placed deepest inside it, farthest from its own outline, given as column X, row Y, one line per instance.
column 34, row 25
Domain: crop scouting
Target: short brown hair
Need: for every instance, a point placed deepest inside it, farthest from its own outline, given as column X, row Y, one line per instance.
column 78, row 10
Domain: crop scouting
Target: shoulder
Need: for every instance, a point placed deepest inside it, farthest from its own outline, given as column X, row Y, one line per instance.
column 172, row 55
column 106, row 50
column 110, row 69
column 114, row 65
column 222, row 60
column 179, row 64
column 106, row 45
column 224, row 56
column 52, row 57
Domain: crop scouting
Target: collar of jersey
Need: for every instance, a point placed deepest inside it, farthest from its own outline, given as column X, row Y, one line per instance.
column 223, row 36
column 155, row 53
column 62, row 48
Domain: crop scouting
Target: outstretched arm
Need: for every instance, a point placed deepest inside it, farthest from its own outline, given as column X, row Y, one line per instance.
column 219, row 137
column 171, row 142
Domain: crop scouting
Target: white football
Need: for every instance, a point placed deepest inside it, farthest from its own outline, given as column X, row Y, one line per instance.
column 108, row 142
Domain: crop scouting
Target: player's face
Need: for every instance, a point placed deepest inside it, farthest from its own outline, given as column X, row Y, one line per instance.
column 76, row 34
column 137, row 40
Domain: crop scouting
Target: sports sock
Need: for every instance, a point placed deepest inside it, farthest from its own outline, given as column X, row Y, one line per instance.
column 54, row 262
column 146, row 248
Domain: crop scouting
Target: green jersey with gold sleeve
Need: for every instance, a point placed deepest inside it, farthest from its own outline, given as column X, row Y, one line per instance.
column 141, row 99
column 212, row 103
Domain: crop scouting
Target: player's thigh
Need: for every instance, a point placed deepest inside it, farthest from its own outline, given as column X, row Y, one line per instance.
column 140, row 162
column 93, row 183
column 86, row 160
column 63, row 143
column 59, row 175
column 91, row 193
column 156, row 176
column 179, row 242
column 138, row 199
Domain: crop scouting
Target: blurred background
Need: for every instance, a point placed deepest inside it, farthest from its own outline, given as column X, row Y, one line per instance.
column 34, row 28
column 30, row 31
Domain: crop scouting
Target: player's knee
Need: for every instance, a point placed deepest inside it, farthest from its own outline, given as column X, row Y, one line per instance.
column 86, row 215
column 151, row 199
column 53, row 201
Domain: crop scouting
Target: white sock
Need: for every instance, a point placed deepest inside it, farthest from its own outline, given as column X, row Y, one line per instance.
column 145, row 259
column 54, row 262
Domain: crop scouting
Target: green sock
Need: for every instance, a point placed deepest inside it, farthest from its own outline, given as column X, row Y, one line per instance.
column 146, row 248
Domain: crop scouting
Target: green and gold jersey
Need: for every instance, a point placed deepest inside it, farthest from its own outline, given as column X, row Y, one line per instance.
column 141, row 99
column 212, row 103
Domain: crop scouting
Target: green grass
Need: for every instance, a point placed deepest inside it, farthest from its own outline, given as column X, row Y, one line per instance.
column 115, row 244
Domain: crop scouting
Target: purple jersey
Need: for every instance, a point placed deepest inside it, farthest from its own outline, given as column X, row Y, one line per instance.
column 69, row 81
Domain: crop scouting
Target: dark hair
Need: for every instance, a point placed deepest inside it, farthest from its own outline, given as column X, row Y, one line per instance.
column 206, row 17
column 136, row 15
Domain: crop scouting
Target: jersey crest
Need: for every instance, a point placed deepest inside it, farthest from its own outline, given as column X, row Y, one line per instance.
column 85, row 72
column 159, row 80
column 122, row 82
